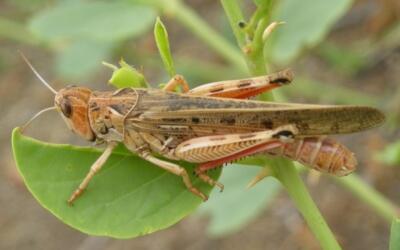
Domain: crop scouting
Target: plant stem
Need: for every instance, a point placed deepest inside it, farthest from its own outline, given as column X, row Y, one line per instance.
column 287, row 174
column 284, row 170
column 235, row 16
column 373, row 198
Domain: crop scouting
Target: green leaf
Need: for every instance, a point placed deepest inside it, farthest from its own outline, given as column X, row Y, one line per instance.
column 126, row 76
column 81, row 58
column 127, row 198
column 161, row 37
column 395, row 235
column 106, row 21
column 307, row 22
column 238, row 205
column 391, row 154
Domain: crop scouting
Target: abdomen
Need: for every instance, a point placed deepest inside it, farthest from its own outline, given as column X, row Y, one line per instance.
column 323, row 154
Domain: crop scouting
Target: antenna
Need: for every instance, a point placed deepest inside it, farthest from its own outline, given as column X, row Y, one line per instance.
column 36, row 73
column 35, row 116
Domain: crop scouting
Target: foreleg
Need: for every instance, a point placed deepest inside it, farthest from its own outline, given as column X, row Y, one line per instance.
column 97, row 165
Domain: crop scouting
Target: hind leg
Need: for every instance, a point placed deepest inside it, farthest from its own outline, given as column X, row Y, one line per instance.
column 213, row 151
column 240, row 89
column 244, row 88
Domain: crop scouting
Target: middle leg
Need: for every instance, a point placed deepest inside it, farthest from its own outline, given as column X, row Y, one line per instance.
column 175, row 169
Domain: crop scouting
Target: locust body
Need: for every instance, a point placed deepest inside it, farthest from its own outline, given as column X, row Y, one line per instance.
column 211, row 125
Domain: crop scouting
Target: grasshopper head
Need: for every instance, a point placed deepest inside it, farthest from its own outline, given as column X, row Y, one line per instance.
column 72, row 104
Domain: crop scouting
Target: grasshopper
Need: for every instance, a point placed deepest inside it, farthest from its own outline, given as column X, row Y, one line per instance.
column 210, row 125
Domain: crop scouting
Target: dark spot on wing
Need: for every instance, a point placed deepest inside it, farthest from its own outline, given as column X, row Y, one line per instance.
column 228, row 120
column 195, row 120
column 268, row 124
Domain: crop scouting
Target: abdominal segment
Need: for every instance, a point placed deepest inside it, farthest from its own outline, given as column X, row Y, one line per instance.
column 323, row 154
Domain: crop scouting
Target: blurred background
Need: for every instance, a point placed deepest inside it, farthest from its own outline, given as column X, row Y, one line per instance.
column 343, row 52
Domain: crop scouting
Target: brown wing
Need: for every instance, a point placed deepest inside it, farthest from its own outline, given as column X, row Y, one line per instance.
column 177, row 114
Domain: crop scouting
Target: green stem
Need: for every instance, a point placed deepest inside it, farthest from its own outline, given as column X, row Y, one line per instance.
column 287, row 174
column 370, row 196
column 235, row 16
column 262, row 9
column 284, row 170
column 256, row 52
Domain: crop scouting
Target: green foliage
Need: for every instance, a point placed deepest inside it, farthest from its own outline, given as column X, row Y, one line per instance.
column 81, row 58
column 105, row 21
column 283, row 169
column 370, row 196
column 126, row 76
column 310, row 88
column 13, row 30
column 237, row 205
column 86, row 32
column 343, row 60
column 161, row 37
column 307, row 22
column 391, row 154
column 128, row 197
column 395, row 235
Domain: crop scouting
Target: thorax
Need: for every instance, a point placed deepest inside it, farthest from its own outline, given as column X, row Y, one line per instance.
column 108, row 110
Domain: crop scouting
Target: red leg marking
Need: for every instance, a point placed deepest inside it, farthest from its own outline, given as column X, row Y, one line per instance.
column 250, row 151
column 245, row 93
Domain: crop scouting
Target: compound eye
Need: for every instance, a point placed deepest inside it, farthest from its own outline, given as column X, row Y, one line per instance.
column 66, row 108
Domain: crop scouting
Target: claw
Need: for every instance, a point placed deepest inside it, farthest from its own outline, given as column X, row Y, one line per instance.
column 220, row 185
column 260, row 176
column 198, row 193
column 207, row 179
